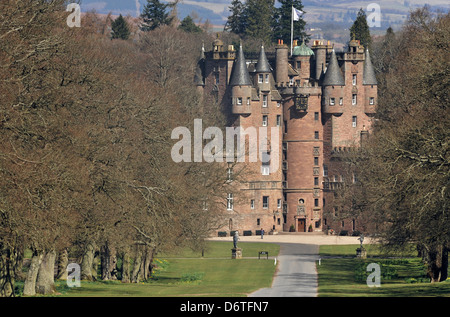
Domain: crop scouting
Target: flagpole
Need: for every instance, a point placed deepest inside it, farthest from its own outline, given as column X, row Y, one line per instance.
column 292, row 27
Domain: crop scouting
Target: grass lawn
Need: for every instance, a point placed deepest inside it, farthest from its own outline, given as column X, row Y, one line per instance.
column 186, row 273
column 343, row 275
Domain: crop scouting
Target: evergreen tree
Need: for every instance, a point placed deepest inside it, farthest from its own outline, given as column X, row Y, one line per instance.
column 259, row 16
column 155, row 15
column 360, row 30
column 120, row 29
column 188, row 25
column 283, row 16
column 236, row 22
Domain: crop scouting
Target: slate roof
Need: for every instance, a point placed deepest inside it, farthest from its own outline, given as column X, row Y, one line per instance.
column 333, row 76
column 240, row 75
column 262, row 66
column 369, row 77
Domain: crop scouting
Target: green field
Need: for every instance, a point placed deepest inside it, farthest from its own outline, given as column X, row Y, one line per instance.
column 187, row 273
column 402, row 275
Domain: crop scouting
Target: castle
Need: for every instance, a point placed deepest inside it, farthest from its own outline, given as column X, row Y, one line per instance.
column 323, row 103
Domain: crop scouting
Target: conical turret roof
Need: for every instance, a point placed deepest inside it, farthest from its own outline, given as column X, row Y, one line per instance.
column 333, row 76
column 369, row 77
column 262, row 66
column 240, row 75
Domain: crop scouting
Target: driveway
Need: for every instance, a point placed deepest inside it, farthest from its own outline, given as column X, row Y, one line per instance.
column 296, row 275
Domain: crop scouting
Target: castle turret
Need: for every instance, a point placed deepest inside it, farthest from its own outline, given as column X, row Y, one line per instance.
column 282, row 68
column 370, row 85
column 333, row 91
column 302, row 60
column 263, row 71
column 320, row 52
column 241, row 86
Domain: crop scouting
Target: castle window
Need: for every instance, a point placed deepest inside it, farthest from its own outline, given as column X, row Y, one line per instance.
column 229, row 173
column 265, row 98
column 260, row 78
column 265, row 121
column 278, row 120
column 217, row 78
column 299, row 64
column 316, row 135
column 265, row 202
column 316, row 181
column 267, row 78
column 316, row 116
column 230, row 201
column 316, row 161
column 239, row 101
column 341, row 101
column 252, row 204
column 248, row 101
column 279, row 203
column 291, row 81
column 332, row 101
column 316, row 202
column 371, row 100
column 265, row 168
column 354, row 121
column 354, row 96
column 325, row 170
column 285, row 126
column 354, row 80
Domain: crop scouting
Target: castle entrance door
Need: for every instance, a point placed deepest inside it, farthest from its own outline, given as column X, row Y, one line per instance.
column 301, row 225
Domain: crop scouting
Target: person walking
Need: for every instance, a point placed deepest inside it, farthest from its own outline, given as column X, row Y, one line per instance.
column 262, row 233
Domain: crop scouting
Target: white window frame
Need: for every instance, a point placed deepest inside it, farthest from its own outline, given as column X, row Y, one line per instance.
column 341, row 101
column 332, row 101
column 239, row 101
column 354, row 79
column 354, row 99
column 278, row 120
column 260, row 78
column 265, row 121
column 252, row 204
column 354, row 121
column 265, row 101
column 279, row 203
column 230, row 201
column 371, row 100
column 267, row 78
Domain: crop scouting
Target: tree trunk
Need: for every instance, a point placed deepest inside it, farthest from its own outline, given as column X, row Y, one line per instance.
column 8, row 265
column 46, row 276
column 108, row 262
column 137, row 271
column 437, row 260
column 125, row 268
column 87, row 263
column 63, row 261
column 29, row 288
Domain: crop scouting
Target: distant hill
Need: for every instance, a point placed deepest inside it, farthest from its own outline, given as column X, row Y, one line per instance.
column 327, row 19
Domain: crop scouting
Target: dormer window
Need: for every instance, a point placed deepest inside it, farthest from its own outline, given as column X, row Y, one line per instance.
column 260, row 78
column 267, row 78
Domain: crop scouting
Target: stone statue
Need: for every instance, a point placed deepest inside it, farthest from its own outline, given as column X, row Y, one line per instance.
column 361, row 239
column 235, row 238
